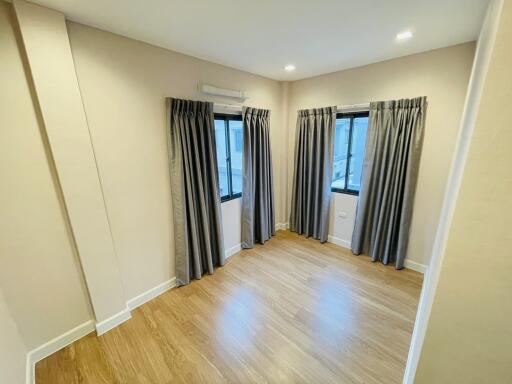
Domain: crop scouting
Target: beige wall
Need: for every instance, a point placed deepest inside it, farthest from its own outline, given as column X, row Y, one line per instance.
column 442, row 75
column 13, row 354
column 40, row 274
column 46, row 46
column 124, row 84
column 468, row 338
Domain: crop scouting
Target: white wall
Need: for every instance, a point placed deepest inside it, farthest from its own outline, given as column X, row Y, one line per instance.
column 342, row 216
column 231, row 222
column 442, row 75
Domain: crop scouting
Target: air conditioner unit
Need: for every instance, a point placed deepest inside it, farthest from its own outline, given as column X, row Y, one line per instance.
column 212, row 90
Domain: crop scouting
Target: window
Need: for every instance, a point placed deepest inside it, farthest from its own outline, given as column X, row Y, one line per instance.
column 239, row 140
column 229, row 141
column 349, row 145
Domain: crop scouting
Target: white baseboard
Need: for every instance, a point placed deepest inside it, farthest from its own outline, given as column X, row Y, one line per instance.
column 55, row 345
column 418, row 267
column 113, row 321
column 339, row 241
column 231, row 251
column 150, row 294
column 281, row 226
column 84, row 329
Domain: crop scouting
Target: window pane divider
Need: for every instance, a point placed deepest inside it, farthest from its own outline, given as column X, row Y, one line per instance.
column 228, row 158
column 349, row 151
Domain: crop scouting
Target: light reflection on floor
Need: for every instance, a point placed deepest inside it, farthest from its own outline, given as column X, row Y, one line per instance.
column 334, row 312
column 236, row 318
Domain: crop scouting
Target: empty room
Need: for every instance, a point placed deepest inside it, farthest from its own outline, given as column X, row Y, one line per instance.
column 241, row 191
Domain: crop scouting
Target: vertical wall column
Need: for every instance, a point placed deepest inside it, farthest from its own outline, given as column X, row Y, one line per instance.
column 283, row 179
column 48, row 52
column 13, row 353
column 467, row 340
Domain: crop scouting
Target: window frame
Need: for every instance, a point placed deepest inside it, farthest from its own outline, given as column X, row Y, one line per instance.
column 351, row 116
column 226, row 118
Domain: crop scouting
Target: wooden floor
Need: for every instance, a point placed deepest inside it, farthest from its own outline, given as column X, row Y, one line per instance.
column 291, row 311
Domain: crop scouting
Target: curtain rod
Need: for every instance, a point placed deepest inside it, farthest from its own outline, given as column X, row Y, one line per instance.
column 344, row 108
column 354, row 107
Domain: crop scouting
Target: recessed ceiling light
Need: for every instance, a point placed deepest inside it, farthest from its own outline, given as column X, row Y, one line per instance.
column 404, row 35
column 289, row 67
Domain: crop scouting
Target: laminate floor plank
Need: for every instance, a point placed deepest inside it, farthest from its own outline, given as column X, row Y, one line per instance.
column 290, row 311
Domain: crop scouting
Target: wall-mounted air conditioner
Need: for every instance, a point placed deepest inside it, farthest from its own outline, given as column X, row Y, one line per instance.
column 212, row 90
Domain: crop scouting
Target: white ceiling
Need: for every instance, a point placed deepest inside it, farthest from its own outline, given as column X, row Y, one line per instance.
column 262, row 36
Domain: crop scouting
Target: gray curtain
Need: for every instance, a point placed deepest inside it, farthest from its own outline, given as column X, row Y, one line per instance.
column 311, row 190
column 390, row 171
column 199, row 245
column 258, row 190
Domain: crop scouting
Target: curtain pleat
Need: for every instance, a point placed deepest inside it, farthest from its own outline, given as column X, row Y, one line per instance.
column 258, row 223
column 311, row 193
column 388, row 182
column 199, row 245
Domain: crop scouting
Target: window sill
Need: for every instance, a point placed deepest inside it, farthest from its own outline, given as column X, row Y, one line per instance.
column 345, row 191
column 229, row 198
